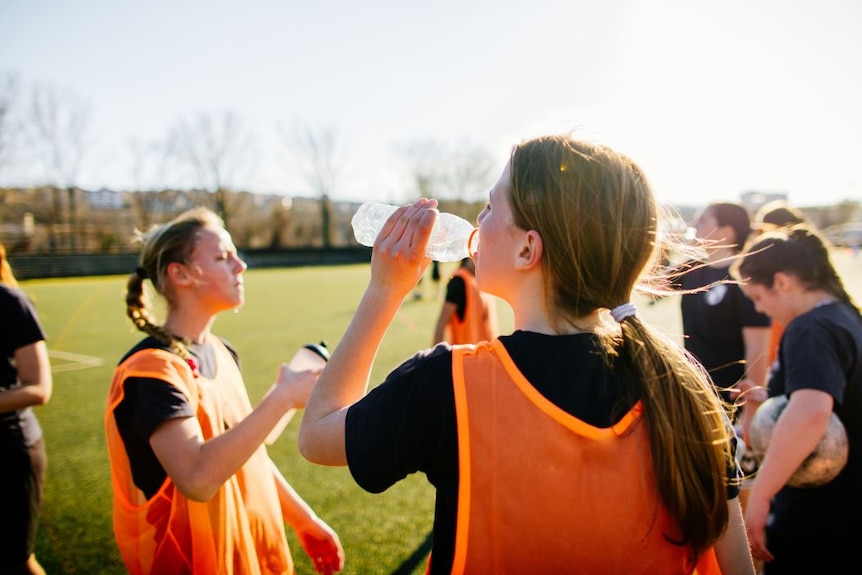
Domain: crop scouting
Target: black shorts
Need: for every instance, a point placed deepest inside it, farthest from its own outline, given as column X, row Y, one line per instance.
column 21, row 479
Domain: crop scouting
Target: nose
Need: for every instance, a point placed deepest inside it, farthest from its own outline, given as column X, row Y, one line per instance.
column 242, row 265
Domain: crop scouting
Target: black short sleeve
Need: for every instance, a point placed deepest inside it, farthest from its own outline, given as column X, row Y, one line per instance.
column 396, row 429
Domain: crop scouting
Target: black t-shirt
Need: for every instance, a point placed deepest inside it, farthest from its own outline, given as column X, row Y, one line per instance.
column 148, row 402
column 20, row 328
column 408, row 423
column 456, row 293
column 713, row 321
column 822, row 349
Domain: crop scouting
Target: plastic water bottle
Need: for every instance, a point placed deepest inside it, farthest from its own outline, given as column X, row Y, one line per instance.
column 309, row 356
column 449, row 238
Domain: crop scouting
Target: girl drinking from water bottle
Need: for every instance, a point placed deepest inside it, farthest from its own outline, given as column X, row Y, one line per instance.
column 584, row 442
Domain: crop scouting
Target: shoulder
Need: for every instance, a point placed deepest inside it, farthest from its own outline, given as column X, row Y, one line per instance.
column 425, row 364
column 423, row 380
column 833, row 322
column 12, row 299
column 146, row 343
column 231, row 349
column 18, row 312
column 693, row 274
column 457, row 278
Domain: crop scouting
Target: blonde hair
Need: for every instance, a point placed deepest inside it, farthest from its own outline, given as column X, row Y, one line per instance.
column 598, row 220
column 163, row 245
column 6, row 275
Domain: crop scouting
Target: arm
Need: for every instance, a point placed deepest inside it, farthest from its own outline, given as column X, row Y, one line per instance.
column 398, row 260
column 446, row 312
column 795, row 435
column 199, row 468
column 756, row 369
column 34, row 373
column 731, row 550
column 318, row 539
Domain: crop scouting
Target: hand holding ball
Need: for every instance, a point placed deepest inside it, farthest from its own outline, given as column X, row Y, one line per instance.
column 822, row 465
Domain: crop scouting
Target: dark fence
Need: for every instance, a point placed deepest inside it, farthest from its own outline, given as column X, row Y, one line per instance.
column 76, row 265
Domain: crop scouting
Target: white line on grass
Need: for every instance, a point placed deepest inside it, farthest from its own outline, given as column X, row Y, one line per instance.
column 75, row 361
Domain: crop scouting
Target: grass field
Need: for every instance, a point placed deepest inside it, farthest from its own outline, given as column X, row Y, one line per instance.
column 88, row 332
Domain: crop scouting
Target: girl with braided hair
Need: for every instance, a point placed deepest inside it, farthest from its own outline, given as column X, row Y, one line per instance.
column 194, row 489
column 576, row 444
column 789, row 276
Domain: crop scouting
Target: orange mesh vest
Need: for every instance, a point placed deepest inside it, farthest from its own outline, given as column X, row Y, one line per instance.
column 475, row 326
column 240, row 530
column 775, row 332
column 543, row 492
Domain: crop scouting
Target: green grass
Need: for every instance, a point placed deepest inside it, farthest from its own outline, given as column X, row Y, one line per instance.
column 285, row 309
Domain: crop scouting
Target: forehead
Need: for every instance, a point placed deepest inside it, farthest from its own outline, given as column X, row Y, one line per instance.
column 753, row 289
column 214, row 236
column 500, row 191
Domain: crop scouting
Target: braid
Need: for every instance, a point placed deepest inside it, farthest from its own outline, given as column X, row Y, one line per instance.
column 136, row 309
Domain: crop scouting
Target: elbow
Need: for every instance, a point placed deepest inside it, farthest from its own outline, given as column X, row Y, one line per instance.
column 320, row 447
column 305, row 444
column 198, row 485
column 197, row 490
column 43, row 395
column 309, row 447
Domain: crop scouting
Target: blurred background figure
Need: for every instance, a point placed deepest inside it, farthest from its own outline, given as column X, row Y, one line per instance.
column 722, row 329
column 25, row 381
column 468, row 315
column 770, row 217
column 435, row 277
column 721, row 326
column 777, row 214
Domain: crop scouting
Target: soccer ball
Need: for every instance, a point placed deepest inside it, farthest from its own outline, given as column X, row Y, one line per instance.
column 822, row 465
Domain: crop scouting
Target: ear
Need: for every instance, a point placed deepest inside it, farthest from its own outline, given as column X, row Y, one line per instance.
column 782, row 281
column 178, row 274
column 530, row 251
column 729, row 234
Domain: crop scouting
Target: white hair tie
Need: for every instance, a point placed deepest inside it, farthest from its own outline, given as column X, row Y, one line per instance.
column 623, row 311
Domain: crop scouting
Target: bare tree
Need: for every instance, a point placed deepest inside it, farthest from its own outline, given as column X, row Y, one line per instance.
column 459, row 173
column 470, row 171
column 151, row 161
column 318, row 154
column 10, row 120
column 217, row 149
column 427, row 165
column 59, row 134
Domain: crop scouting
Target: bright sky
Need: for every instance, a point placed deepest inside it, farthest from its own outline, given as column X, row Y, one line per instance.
column 710, row 98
